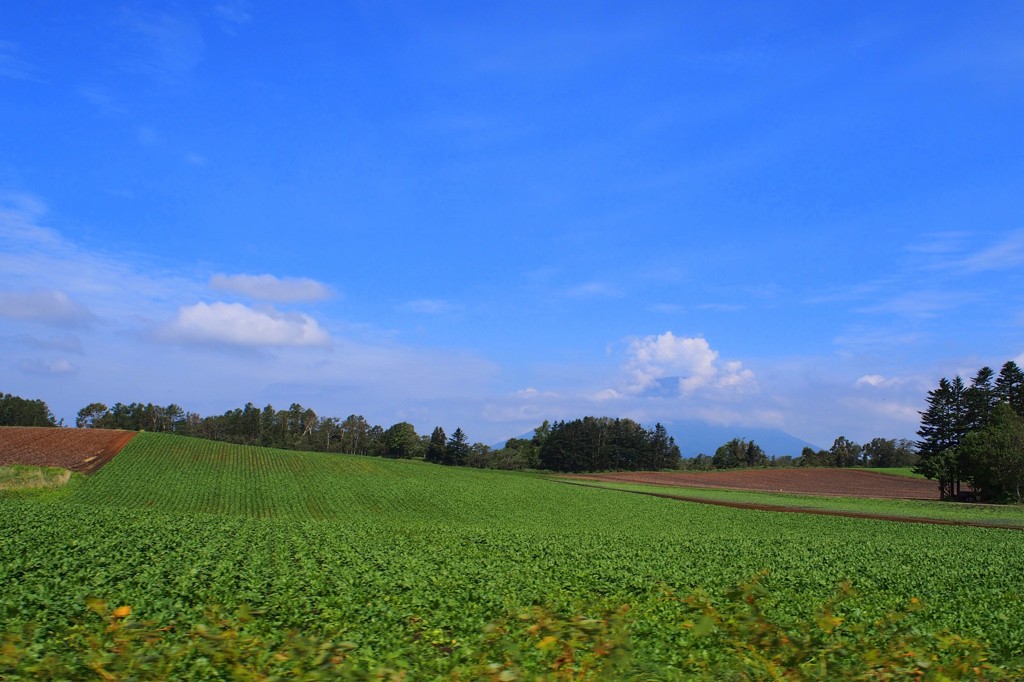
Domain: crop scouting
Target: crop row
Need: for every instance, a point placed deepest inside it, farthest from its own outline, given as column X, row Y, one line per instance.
column 401, row 556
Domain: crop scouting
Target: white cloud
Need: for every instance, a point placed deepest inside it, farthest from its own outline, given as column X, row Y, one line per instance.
column 605, row 395
column 239, row 325
column 877, row 381
column 692, row 360
column 271, row 288
column 50, row 307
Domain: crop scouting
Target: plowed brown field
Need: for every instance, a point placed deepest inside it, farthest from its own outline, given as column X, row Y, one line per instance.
column 84, row 450
column 831, row 482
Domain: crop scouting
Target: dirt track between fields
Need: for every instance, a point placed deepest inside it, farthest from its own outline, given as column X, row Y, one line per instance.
column 83, row 450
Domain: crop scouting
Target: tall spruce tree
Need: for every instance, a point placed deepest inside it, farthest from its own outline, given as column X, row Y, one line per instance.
column 1009, row 386
column 457, row 449
column 980, row 399
column 943, row 427
column 664, row 451
column 437, row 446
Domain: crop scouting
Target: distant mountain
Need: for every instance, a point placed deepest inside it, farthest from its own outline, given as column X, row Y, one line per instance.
column 695, row 437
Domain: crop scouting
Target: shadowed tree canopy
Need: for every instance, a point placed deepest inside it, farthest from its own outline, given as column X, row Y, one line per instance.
column 437, row 447
column 969, row 434
column 603, row 444
column 16, row 411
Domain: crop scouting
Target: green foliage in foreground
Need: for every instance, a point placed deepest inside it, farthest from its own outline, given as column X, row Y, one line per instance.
column 733, row 639
column 428, row 569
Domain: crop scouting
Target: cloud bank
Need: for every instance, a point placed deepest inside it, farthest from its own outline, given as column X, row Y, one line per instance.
column 48, row 307
column 239, row 325
column 690, row 359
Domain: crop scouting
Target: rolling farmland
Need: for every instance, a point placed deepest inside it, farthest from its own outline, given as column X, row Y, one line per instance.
column 410, row 562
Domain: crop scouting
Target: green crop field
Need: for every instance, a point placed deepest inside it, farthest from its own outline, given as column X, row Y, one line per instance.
column 412, row 564
column 985, row 514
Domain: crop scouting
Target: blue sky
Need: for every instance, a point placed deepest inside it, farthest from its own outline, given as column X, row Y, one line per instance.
column 794, row 215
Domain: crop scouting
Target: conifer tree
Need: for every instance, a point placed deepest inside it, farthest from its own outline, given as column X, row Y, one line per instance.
column 1009, row 386
column 980, row 399
column 457, row 449
column 437, row 446
column 943, row 427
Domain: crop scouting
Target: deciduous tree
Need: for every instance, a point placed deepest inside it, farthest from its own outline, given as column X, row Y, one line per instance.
column 995, row 455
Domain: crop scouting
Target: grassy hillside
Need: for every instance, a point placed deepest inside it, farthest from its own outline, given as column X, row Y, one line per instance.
column 411, row 561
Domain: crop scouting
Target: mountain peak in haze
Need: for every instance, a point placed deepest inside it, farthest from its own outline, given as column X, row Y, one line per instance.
column 696, row 437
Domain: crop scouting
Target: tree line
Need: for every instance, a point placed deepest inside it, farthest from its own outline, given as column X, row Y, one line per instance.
column 17, row 411
column 972, row 436
column 741, row 453
column 580, row 445
column 588, row 444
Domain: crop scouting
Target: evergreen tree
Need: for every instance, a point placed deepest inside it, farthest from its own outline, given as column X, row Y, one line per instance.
column 980, row 399
column 457, row 449
column 555, row 448
column 943, row 427
column 1009, row 386
column 664, row 451
column 437, row 446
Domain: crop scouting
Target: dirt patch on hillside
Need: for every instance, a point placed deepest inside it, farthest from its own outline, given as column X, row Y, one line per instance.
column 811, row 481
column 84, row 450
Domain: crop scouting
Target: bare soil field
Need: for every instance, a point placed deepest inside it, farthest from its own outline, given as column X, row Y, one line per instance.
column 84, row 450
column 812, row 481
